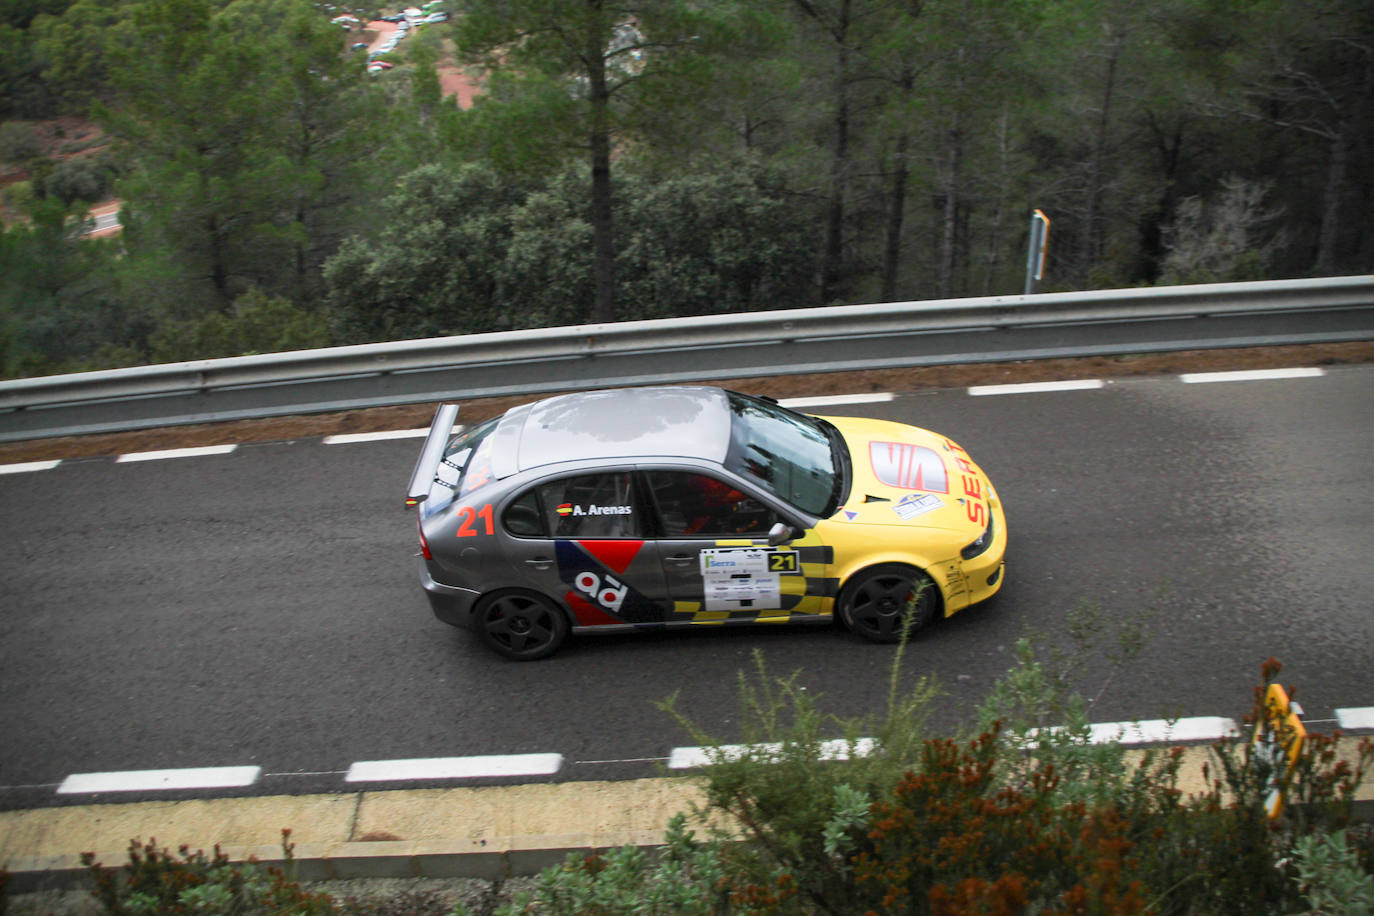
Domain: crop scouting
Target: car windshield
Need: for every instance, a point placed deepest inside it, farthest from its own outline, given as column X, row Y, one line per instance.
column 795, row 457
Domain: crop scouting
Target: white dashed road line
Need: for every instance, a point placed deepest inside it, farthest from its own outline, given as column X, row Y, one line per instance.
column 834, row 399
column 1255, row 375
column 159, row 780
column 1362, row 717
column 1078, row 384
column 28, row 466
column 686, row 758
column 1152, row 731
column 197, row 452
column 350, row 438
column 1149, row 731
column 817, row 401
column 1195, row 729
column 455, row 767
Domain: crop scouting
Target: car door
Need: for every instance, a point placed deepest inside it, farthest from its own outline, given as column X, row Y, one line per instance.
column 717, row 563
column 580, row 538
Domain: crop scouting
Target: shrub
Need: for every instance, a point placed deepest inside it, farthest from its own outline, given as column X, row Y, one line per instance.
column 19, row 143
column 1222, row 240
column 86, row 178
column 952, row 840
column 1330, row 876
column 256, row 323
column 157, row 882
column 684, row 879
column 1018, row 819
column 800, row 795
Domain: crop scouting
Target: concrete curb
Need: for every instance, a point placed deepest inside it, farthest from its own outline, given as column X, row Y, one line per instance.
column 489, row 832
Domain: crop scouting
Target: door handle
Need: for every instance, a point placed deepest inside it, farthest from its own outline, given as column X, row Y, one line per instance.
column 539, row 562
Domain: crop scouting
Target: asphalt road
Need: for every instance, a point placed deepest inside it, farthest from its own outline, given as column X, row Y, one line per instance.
column 261, row 607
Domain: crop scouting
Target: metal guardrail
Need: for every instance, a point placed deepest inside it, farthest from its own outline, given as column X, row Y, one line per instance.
column 833, row 338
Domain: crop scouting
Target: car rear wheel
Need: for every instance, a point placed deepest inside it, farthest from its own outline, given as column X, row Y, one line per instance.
column 878, row 601
column 521, row 625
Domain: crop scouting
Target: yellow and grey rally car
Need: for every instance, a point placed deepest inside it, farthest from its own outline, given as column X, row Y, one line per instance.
column 678, row 506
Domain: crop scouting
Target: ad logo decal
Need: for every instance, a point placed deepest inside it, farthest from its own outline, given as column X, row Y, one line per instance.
column 597, row 591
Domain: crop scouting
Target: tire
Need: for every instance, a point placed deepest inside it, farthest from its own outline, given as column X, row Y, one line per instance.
column 874, row 602
column 521, row 625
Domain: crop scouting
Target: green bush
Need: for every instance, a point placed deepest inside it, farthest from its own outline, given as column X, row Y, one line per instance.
column 683, row 879
column 19, row 143
column 1015, row 819
column 1330, row 876
column 86, row 178
column 802, row 809
column 256, row 323
column 156, row 881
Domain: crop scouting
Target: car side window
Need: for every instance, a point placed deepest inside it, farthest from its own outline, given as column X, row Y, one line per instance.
column 698, row 505
column 522, row 517
column 592, row 506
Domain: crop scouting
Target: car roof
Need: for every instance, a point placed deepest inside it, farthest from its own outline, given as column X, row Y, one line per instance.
column 689, row 422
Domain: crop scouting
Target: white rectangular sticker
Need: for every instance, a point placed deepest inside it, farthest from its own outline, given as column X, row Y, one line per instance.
column 739, row 579
column 908, row 507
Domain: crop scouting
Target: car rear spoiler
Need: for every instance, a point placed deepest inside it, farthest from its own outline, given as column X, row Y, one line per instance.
column 422, row 478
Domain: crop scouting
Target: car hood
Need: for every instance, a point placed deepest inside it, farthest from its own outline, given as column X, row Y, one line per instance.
column 904, row 475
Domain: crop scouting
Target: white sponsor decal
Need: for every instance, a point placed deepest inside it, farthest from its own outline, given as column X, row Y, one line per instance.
column 908, row 507
column 738, row 579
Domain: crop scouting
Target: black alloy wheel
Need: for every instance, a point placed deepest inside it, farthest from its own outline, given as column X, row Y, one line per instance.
column 876, row 602
column 521, row 625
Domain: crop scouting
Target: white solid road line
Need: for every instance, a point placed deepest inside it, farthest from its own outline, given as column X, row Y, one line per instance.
column 830, row 399
column 1362, row 717
column 27, row 466
column 176, row 453
column 349, row 438
column 1080, row 384
column 1250, row 375
column 455, row 767
column 159, row 780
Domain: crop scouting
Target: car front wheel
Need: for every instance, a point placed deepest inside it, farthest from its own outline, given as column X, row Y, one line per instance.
column 521, row 625
column 878, row 602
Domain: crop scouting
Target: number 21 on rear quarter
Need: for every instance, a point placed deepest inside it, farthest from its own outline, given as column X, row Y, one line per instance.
column 467, row 515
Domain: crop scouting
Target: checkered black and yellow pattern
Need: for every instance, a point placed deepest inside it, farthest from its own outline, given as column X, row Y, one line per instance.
column 808, row 595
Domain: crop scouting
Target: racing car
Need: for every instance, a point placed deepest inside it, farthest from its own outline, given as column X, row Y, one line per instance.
column 687, row 506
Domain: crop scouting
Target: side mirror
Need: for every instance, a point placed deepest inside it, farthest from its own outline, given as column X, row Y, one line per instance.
column 780, row 534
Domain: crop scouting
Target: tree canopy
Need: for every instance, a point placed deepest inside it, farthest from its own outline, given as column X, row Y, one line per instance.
column 651, row 158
